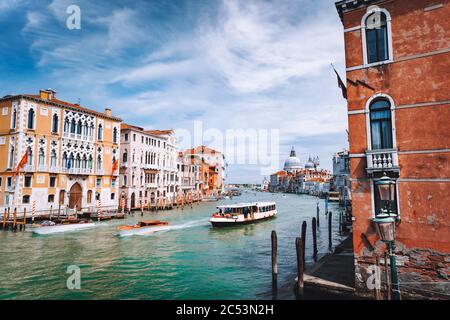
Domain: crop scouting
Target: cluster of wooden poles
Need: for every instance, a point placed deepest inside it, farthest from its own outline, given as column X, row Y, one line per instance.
column 300, row 243
column 15, row 223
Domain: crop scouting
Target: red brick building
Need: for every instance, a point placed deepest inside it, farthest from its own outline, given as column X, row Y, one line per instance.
column 398, row 92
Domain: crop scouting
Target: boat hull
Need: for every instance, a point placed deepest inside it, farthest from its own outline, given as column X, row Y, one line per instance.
column 142, row 231
column 224, row 224
column 62, row 228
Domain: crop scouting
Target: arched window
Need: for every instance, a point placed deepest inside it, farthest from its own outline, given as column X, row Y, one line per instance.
column 55, row 123
column 66, row 125
column 41, row 157
column 64, row 160
column 30, row 119
column 30, row 156
column 11, row 157
column 115, row 135
column 79, row 127
column 78, row 161
column 100, row 132
column 53, row 158
column 125, row 156
column 377, row 37
column 381, row 124
column 70, row 162
column 73, row 126
column 99, row 162
column 84, row 163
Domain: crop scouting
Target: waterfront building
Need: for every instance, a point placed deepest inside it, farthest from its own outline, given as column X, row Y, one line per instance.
column 211, row 165
column 188, row 177
column 148, row 171
column 398, row 62
column 71, row 153
column 341, row 176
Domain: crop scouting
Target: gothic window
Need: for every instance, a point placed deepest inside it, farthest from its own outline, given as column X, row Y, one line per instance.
column 79, row 127
column 66, row 125
column 53, row 158
column 381, row 124
column 73, row 126
column 55, row 123
column 30, row 123
column 64, row 160
column 41, row 157
column 11, row 157
column 99, row 162
column 30, row 156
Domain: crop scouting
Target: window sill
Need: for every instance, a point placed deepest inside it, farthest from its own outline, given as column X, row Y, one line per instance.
column 376, row 64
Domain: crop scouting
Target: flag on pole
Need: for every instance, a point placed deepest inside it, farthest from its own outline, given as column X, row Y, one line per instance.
column 22, row 162
column 115, row 166
column 340, row 83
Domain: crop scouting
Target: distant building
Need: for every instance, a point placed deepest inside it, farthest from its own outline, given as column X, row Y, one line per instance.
column 294, row 178
column 341, row 176
column 211, row 165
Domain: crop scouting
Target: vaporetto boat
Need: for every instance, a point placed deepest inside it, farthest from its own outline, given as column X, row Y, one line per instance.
column 58, row 228
column 243, row 213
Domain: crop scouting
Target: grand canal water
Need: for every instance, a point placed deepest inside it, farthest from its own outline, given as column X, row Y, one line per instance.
column 191, row 261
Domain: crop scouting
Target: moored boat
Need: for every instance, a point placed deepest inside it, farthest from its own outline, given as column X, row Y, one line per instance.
column 243, row 213
column 50, row 227
column 143, row 227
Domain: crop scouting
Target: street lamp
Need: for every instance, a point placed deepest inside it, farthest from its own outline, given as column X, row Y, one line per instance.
column 385, row 225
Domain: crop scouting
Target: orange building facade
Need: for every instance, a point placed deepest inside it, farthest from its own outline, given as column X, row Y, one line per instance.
column 398, row 93
column 71, row 154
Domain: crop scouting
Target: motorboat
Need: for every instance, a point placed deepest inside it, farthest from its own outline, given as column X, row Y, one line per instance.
column 143, row 227
column 243, row 213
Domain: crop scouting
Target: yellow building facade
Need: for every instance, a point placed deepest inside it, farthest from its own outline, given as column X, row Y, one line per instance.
column 71, row 154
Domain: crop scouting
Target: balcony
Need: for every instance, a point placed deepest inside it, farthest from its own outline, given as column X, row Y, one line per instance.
column 42, row 168
column 384, row 160
column 80, row 171
column 29, row 168
column 54, row 169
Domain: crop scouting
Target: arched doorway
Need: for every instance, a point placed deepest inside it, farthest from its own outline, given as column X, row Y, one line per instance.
column 75, row 196
column 133, row 201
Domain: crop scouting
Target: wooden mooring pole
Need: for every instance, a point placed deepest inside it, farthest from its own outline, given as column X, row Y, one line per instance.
column 314, row 237
column 274, row 260
column 304, row 225
column 317, row 215
column 300, row 265
column 24, row 218
column 4, row 218
column 330, row 231
column 15, row 219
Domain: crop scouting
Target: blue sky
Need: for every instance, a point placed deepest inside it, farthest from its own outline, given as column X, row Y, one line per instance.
column 232, row 64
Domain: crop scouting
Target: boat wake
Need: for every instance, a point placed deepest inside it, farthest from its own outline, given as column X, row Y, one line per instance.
column 160, row 229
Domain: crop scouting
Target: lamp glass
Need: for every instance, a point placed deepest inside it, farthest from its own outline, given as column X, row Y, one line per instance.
column 385, row 228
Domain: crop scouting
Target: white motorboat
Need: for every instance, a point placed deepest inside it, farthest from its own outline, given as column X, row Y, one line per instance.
column 143, row 228
column 243, row 213
column 58, row 228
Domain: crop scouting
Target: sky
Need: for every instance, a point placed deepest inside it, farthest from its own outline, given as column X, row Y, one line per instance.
column 216, row 64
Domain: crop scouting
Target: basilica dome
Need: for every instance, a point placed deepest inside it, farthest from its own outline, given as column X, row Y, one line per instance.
column 292, row 163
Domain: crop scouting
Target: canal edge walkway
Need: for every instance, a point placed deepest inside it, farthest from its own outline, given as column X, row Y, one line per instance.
column 334, row 272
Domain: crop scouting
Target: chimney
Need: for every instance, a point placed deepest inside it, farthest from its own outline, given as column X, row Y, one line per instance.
column 48, row 94
column 108, row 112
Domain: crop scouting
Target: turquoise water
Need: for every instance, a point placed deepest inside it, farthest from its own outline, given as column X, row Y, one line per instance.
column 191, row 261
